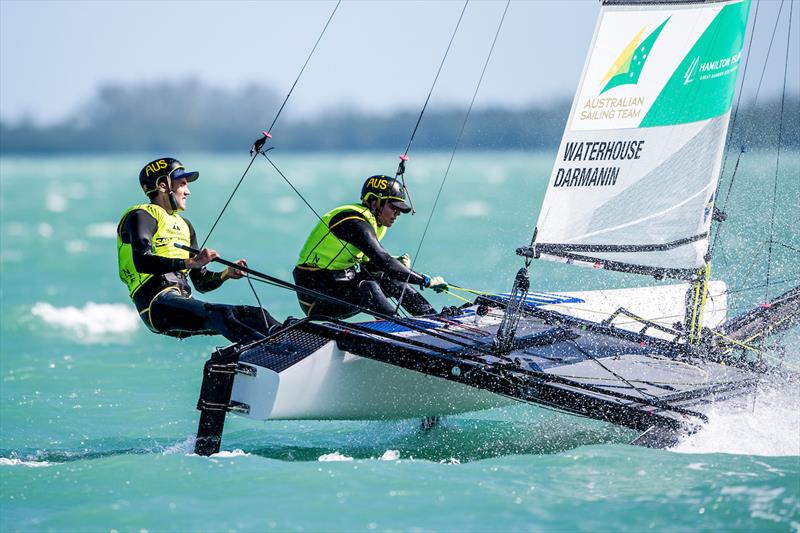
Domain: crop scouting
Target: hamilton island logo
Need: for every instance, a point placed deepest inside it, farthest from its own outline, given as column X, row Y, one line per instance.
column 691, row 72
column 629, row 64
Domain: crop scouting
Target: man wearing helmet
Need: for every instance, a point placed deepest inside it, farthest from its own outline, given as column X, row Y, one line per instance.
column 343, row 258
column 156, row 272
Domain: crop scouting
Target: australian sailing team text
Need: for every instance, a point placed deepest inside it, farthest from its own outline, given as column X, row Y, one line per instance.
column 595, row 151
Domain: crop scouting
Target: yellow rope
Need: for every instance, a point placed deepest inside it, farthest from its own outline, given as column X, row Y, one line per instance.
column 459, row 297
column 699, row 293
column 734, row 341
column 473, row 291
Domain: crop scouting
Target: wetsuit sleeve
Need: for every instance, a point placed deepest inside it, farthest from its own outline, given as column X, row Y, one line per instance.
column 202, row 279
column 138, row 230
column 358, row 232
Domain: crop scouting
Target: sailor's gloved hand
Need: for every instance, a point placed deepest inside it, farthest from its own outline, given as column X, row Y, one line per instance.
column 438, row 284
column 405, row 260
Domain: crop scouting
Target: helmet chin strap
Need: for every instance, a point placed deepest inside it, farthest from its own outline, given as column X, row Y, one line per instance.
column 376, row 210
column 173, row 201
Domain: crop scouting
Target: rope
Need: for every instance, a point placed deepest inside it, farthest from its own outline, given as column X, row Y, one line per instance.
column 461, row 131
column 269, row 130
column 473, row 291
column 761, row 286
column 224, row 207
column 457, row 143
column 458, row 297
column 741, row 344
column 778, row 156
column 255, row 153
column 760, row 352
column 755, row 102
column 329, row 232
column 430, row 92
column 664, row 319
column 789, row 247
column 733, row 122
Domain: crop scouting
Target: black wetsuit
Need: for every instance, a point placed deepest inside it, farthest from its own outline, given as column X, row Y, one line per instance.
column 369, row 286
column 165, row 303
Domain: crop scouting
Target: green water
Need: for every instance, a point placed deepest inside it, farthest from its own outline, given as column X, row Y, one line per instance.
column 97, row 413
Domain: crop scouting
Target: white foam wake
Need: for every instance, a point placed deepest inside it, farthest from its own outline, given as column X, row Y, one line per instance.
column 6, row 461
column 766, row 425
column 94, row 323
column 334, row 457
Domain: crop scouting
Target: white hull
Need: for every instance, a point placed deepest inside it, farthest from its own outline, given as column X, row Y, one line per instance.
column 334, row 385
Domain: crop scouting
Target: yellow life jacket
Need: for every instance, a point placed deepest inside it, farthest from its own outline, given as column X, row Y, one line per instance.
column 325, row 251
column 170, row 229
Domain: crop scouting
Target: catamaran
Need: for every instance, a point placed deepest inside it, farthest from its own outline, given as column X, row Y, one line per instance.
column 632, row 189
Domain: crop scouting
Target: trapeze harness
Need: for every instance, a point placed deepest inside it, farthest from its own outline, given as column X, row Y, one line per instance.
column 155, row 272
column 343, row 257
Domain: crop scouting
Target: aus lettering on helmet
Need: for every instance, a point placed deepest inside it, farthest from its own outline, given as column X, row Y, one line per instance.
column 164, row 169
column 385, row 189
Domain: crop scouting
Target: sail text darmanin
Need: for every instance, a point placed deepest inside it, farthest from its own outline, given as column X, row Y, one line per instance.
column 586, row 177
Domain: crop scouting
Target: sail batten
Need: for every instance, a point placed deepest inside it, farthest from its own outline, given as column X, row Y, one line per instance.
column 632, row 187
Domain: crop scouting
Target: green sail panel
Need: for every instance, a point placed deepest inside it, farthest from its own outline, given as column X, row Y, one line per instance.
column 633, row 183
column 702, row 86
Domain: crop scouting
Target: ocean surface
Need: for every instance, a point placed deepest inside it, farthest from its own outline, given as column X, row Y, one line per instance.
column 98, row 414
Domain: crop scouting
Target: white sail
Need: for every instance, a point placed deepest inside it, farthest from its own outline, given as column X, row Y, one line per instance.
column 632, row 187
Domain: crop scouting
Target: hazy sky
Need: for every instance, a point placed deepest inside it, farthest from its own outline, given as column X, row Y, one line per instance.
column 376, row 56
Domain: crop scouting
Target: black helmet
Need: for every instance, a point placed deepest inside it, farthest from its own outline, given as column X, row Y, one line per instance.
column 166, row 167
column 385, row 188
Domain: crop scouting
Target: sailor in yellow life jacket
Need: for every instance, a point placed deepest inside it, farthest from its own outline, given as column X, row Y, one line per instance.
column 343, row 258
column 156, row 272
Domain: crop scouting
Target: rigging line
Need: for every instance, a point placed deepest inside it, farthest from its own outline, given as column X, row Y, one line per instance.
column 282, row 175
column 435, row 79
column 411, row 323
column 653, row 398
column 401, row 167
column 461, row 131
column 761, row 286
column 769, row 49
column 457, row 143
column 214, row 225
column 604, row 367
column 261, row 307
column 344, row 244
column 304, row 66
column 266, row 133
column 661, row 318
column 731, row 130
column 739, row 97
column 755, row 102
column 454, row 295
column 749, row 264
column 789, row 247
column 778, row 156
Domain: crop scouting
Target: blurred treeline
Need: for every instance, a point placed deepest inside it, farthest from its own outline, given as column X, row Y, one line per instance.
column 191, row 116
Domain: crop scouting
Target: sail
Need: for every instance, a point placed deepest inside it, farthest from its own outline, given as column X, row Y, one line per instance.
column 633, row 184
